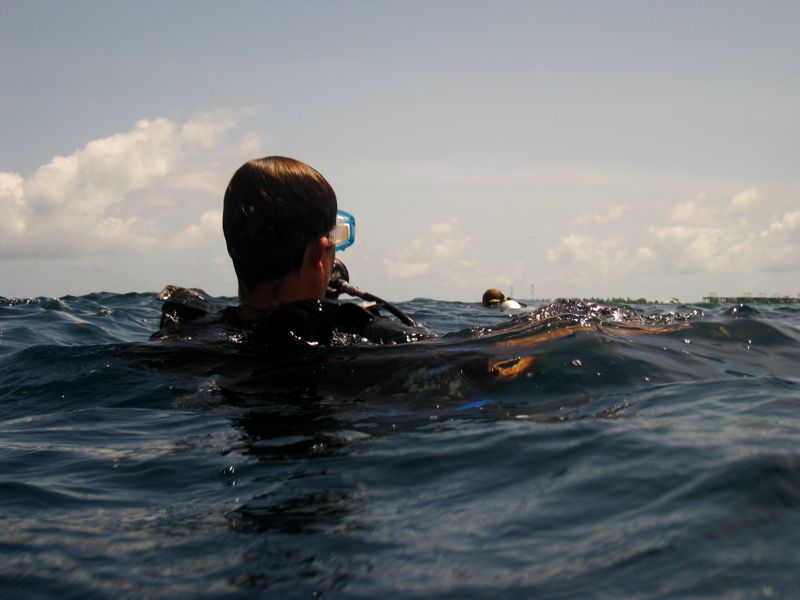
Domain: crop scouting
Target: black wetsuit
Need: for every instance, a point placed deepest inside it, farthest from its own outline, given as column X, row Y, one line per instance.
column 188, row 314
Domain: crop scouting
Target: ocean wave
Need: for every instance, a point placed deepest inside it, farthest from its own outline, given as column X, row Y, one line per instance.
column 573, row 449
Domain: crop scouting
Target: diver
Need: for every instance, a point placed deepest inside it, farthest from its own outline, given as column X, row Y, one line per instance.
column 282, row 229
column 494, row 298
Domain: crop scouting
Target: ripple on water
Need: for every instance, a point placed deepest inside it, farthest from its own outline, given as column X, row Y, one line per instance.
column 574, row 450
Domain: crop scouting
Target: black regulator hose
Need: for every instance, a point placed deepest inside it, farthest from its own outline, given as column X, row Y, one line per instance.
column 340, row 284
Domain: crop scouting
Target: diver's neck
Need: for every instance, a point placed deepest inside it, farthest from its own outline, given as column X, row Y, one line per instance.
column 308, row 282
column 269, row 295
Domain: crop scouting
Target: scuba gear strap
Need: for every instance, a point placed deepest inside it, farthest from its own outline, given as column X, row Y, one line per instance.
column 340, row 284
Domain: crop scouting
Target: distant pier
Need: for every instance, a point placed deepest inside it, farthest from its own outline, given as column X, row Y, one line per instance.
column 751, row 299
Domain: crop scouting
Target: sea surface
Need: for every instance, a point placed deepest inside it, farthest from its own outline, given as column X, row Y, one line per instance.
column 569, row 451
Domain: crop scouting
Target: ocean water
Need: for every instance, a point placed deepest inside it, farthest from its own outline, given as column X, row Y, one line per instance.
column 572, row 451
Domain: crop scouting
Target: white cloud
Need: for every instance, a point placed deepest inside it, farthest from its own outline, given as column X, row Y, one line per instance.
column 612, row 215
column 693, row 211
column 441, row 261
column 699, row 237
column 688, row 248
column 208, row 227
column 11, row 186
column 719, row 242
column 114, row 195
column 439, row 248
column 583, row 256
column 204, row 181
column 745, row 199
column 11, row 195
column 249, row 144
column 204, row 130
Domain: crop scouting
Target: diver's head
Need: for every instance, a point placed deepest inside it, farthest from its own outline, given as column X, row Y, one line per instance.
column 277, row 219
column 493, row 297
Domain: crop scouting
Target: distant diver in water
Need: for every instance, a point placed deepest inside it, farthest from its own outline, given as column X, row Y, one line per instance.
column 282, row 229
column 494, row 298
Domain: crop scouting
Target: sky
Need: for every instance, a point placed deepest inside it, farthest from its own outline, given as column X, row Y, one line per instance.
column 549, row 149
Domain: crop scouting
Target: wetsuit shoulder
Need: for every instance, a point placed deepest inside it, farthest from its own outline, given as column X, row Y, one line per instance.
column 181, row 305
column 383, row 330
column 326, row 321
column 188, row 312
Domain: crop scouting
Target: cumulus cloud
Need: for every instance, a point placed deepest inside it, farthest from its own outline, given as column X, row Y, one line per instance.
column 706, row 239
column 102, row 198
column 612, row 215
column 588, row 254
column 745, row 199
column 699, row 236
column 208, row 227
column 686, row 249
column 440, row 248
column 11, row 204
column 691, row 212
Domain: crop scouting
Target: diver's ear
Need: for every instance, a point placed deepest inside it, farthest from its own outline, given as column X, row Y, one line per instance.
column 315, row 251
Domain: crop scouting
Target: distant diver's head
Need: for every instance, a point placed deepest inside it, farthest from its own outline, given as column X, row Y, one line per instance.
column 274, row 208
column 493, row 297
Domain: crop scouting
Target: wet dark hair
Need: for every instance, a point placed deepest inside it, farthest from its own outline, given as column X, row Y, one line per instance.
column 274, row 207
